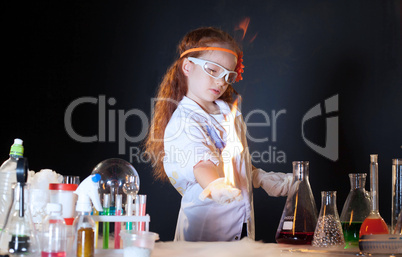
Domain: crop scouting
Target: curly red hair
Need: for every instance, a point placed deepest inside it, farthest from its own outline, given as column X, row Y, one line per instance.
column 174, row 86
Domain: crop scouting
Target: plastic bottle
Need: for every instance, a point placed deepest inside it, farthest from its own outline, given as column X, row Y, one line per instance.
column 54, row 232
column 7, row 178
column 84, row 225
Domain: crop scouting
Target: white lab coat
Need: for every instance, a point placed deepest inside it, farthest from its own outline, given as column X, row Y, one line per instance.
column 192, row 135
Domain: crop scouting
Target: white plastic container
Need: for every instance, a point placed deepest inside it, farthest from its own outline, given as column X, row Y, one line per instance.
column 138, row 243
column 64, row 195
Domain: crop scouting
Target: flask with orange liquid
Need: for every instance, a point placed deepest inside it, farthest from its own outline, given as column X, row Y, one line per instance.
column 374, row 224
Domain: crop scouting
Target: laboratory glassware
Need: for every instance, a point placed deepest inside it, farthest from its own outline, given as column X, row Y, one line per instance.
column 374, row 223
column 114, row 173
column 19, row 237
column 299, row 217
column 355, row 209
column 328, row 232
column 106, row 225
column 130, row 188
column 396, row 191
column 54, row 232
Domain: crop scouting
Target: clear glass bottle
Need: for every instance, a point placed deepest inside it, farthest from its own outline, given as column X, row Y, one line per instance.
column 328, row 232
column 299, row 217
column 374, row 224
column 84, row 242
column 54, row 232
column 355, row 209
column 7, row 178
column 19, row 237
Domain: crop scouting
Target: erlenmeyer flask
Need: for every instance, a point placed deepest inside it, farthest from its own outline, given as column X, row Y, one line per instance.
column 19, row 237
column 328, row 232
column 355, row 209
column 299, row 217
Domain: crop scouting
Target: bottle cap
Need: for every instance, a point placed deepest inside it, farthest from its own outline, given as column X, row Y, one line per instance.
column 87, row 191
column 17, row 148
column 373, row 157
column 53, row 207
column 69, row 221
column 64, row 187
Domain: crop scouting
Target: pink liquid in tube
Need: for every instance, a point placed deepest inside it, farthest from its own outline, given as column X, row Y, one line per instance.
column 117, row 225
column 117, row 228
column 140, row 203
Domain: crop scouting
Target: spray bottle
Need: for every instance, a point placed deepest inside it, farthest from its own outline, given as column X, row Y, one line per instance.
column 84, row 225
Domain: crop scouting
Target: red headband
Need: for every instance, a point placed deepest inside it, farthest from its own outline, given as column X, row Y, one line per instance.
column 239, row 65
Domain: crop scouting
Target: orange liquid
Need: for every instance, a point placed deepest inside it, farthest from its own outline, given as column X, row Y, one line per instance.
column 373, row 227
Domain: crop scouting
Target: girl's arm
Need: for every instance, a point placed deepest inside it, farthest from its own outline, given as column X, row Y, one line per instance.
column 274, row 183
column 205, row 172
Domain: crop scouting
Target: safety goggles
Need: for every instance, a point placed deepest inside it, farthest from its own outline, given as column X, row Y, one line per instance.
column 215, row 70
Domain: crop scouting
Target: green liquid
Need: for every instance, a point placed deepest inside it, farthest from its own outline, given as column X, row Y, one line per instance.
column 106, row 211
column 351, row 233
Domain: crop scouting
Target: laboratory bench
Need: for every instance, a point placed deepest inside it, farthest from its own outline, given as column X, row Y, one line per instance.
column 243, row 248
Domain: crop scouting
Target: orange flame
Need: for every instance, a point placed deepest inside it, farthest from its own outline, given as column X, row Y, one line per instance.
column 243, row 25
column 233, row 146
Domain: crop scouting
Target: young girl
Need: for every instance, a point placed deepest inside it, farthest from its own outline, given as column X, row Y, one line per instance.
column 188, row 134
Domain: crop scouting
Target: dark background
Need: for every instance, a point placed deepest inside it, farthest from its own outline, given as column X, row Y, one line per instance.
column 297, row 54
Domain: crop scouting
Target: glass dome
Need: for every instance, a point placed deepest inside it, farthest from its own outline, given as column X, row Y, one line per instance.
column 115, row 176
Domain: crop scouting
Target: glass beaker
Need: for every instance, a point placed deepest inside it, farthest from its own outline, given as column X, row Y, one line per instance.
column 328, row 232
column 355, row 209
column 299, row 217
column 19, row 237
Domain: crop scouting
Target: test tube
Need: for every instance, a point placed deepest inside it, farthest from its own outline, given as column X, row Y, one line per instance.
column 117, row 225
column 140, row 209
column 129, row 211
column 106, row 211
column 95, row 212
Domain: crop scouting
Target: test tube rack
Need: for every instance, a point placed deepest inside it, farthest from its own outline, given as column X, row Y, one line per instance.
column 134, row 219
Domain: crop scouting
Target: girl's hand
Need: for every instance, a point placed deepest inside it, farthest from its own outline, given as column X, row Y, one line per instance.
column 221, row 192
